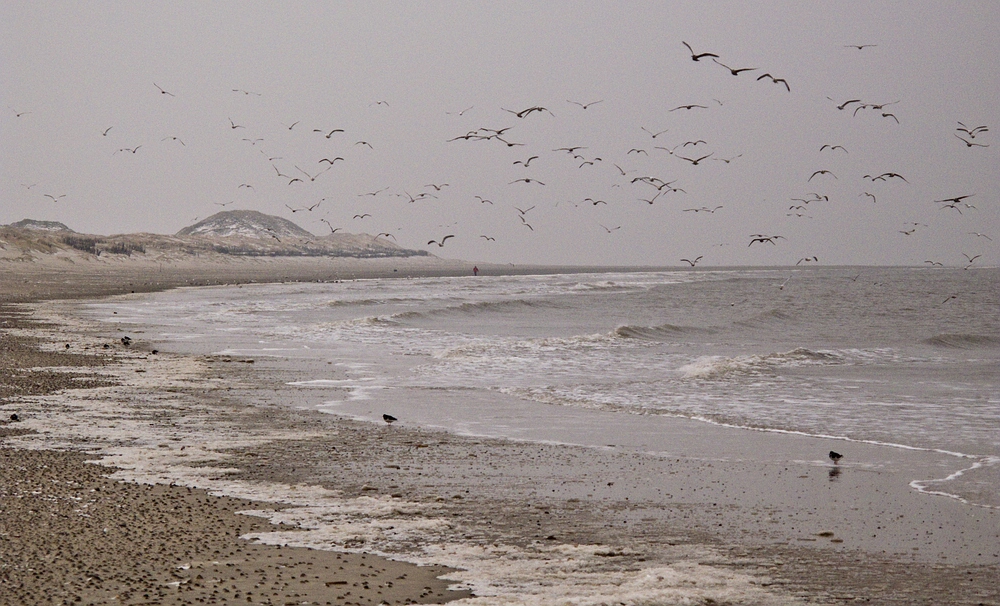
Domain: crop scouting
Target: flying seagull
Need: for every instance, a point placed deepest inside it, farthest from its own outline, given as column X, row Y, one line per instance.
column 163, row 92
column 694, row 262
column 775, row 80
column 584, row 105
column 698, row 56
column 735, row 71
column 441, row 242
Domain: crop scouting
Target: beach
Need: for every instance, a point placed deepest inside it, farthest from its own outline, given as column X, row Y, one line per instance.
column 173, row 432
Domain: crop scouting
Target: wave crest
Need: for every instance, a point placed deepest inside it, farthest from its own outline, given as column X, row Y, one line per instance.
column 961, row 341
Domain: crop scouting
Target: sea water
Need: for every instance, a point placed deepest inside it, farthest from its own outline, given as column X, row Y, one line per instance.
column 908, row 358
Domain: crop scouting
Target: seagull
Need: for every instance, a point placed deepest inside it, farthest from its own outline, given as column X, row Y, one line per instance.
column 698, row 57
column 389, row 419
column 844, row 105
column 364, row 143
column 702, row 209
column 888, row 115
column 129, row 149
column 652, row 134
column 970, row 143
column 735, row 71
column 807, row 260
column 386, row 234
column 872, row 196
column 609, row 230
column 437, row 187
column 330, row 161
column 105, row 133
column 762, row 238
column 163, row 92
column 821, row 172
column 584, row 105
column 569, row 150
column 329, row 134
column 333, row 229
column 528, row 111
column 442, row 241
column 637, row 151
column 483, row 200
column 526, row 162
column 694, row 161
column 971, row 259
column 833, row 147
column 55, row 198
column 728, row 160
column 371, row 193
column 461, row 112
column 311, row 177
column 362, row 216
column 935, row 263
column 245, row 92
column 182, row 143
column 859, row 47
column 775, row 80
column 686, row 143
column 234, row 125
column 979, row 235
column 292, row 125
column 526, row 180
column 691, row 106
column 225, row 204
column 525, row 211
column 973, row 131
column 693, row 263
column 835, row 457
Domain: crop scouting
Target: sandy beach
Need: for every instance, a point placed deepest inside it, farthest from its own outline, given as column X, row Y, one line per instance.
column 172, row 432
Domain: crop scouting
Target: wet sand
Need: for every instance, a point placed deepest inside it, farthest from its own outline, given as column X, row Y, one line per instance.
column 747, row 533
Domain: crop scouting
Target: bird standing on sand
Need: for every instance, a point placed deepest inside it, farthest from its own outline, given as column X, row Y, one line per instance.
column 388, row 418
column 835, row 457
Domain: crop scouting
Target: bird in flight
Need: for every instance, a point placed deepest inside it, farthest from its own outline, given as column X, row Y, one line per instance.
column 55, row 198
column 483, row 200
column 246, row 185
column 526, row 112
column 330, row 161
column 698, row 56
column 329, row 134
column 694, row 262
column 314, row 177
column 371, row 193
column 691, row 106
column 234, row 125
column 487, row 238
column 979, row 235
column 775, row 80
column 525, row 163
column 333, row 229
column 652, row 134
column 844, row 105
column 972, row 132
column 970, row 143
column 833, row 147
column 611, row 229
column 807, row 260
column 735, row 71
column 245, row 92
column 461, row 112
column 870, row 195
column 386, row 234
column 763, row 238
column 437, row 187
column 181, row 142
column 362, row 216
column 526, row 180
column 525, row 211
column 163, row 92
column 703, row 209
column 440, row 242
column 860, row 46
column 888, row 115
column 569, row 150
column 821, row 172
column 225, row 204
column 694, row 161
column 129, row 149
column 105, row 133
column 584, row 105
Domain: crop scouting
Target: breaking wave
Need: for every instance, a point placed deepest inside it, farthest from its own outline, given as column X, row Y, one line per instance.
column 714, row 367
column 960, row 341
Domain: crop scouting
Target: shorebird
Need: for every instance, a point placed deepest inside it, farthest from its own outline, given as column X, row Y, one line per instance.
column 775, row 80
column 735, row 71
column 584, row 105
column 163, row 92
column 698, row 56
column 389, row 419
column 694, row 262
column 835, row 457
column 440, row 242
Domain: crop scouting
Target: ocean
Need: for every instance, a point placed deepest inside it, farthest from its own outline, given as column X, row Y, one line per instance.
column 899, row 361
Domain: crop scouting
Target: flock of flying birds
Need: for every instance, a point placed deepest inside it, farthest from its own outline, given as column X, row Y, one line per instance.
column 654, row 189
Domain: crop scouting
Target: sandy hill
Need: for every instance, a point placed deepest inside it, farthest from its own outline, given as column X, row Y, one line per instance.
column 245, row 223
column 42, row 225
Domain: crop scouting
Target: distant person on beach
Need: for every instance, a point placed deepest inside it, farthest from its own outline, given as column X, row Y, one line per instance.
column 475, row 270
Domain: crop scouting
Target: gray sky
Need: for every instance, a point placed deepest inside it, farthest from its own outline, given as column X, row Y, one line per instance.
column 406, row 77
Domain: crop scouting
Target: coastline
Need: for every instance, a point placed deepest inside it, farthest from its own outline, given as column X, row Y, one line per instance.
column 495, row 491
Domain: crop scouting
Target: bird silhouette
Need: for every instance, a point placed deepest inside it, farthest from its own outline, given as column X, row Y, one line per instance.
column 860, row 46
column 526, row 180
column 833, row 147
column 389, row 419
column 610, row 229
column 735, row 71
column 105, row 133
column 584, row 105
column 525, row 163
column 690, row 106
column 821, row 172
column 487, row 238
column 234, row 126
column 440, row 242
column 698, row 56
column 775, row 80
column 163, row 92
column 652, row 134
column 694, row 262
column 694, row 161
column 362, row 216
column 970, row 143
column 972, row 132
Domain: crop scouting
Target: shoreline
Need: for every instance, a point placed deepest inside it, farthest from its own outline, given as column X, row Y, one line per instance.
column 398, row 468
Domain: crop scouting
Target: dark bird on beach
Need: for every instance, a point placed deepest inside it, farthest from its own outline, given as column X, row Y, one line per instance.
column 775, row 80
column 15, row 418
column 735, row 71
column 163, row 92
column 694, row 262
column 698, row 56
column 441, row 241
column 389, row 419
column 835, row 457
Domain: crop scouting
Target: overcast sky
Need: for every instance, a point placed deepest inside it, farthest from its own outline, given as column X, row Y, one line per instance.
column 80, row 87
